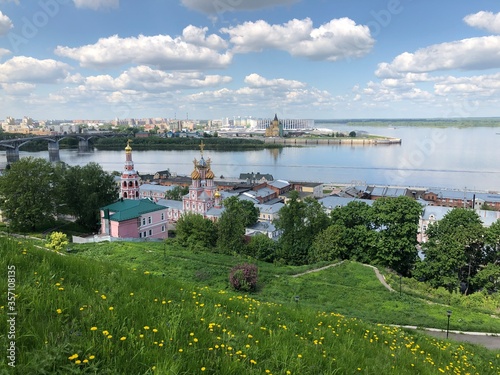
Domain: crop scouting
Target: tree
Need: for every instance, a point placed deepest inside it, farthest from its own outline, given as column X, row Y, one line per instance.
column 359, row 237
column 396, row 222
column 27, row 194
column 177, row 193
column 250, row 213
column 330, row 244
column 300, row 222
column 231, row 227
column 261, row 247
column 352, row 134
column 85, row 190
column 194, row 231
column 454, row 251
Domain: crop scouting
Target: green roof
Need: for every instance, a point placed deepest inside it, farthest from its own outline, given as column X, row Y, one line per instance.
column 131, row 208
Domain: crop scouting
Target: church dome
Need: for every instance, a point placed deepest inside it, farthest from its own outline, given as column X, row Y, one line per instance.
column 128, row 149
column 210, row 175
column 195, row 175
column 202, row 163
column 217, row 194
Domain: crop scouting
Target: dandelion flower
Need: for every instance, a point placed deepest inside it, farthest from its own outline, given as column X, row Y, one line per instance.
column 203, row 369
column 59, row 311
column 146, row 327
column 103, row 296
column 111, row 308
column 93, row 328
column 92, row 357
column 77, row 362
column 123, row 338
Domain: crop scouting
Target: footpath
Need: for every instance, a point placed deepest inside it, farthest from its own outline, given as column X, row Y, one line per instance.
column 488, row 340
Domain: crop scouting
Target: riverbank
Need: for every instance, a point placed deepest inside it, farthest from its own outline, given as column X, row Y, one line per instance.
column 333, row 141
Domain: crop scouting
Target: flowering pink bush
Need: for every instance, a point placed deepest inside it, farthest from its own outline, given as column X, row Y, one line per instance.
column 243, row 277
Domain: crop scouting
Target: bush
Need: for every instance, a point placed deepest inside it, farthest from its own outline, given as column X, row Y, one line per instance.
column 243, row 277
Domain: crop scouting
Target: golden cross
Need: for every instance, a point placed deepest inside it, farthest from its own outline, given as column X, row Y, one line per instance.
column 202, row 146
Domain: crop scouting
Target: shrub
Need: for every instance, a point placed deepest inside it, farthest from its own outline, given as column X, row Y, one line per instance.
column 57, row 241
column 243, row 277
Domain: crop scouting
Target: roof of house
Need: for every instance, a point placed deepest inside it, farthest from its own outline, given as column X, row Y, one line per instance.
column 169, row 203
column 156, row 188
column 332, row 201
column 130, row 209
column 279, row 184
column 269, row 209
column 257, row 176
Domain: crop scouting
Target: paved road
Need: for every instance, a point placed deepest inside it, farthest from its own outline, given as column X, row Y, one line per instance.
column 488, row 341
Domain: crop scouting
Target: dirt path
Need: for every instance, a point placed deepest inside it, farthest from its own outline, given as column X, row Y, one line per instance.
column 318, row 269
column 380, row 277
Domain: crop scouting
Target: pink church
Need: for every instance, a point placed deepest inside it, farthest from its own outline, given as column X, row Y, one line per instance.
column 131, row 217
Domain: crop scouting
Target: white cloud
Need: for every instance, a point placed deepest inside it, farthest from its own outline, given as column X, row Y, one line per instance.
column 5, row 24
column 257, row 81
column 4, row 52
column 481, row 85
column 30, row 70
column 144, row 79
column 222, row 6
column 484, row 20
column 467, row 54
column 97, row 4
column 332, row 41
column 18, row 89
column 162, row 51
column 197, row 36
column 265, row 95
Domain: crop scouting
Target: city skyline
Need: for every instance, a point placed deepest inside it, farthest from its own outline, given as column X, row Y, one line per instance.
column 105, row 59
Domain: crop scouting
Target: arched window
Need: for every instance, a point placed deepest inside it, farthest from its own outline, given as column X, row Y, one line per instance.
column 124, row 183
column 137, row 194
column 125, row 195
column 130, row 184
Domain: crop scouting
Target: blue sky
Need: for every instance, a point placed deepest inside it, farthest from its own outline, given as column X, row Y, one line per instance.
column 207, row 59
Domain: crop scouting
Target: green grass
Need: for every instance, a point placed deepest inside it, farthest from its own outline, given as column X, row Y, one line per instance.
column 147, row 323
column 350, row 289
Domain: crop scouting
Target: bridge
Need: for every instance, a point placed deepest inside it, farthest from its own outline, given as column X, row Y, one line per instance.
column 12, row 145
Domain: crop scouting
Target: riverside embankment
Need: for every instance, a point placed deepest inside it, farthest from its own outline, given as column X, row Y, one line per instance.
column 333, row 141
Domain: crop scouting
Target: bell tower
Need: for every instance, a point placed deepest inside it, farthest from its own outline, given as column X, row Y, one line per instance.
column 129, row 184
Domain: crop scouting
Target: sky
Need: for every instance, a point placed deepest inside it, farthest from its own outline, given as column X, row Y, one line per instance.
column 211, row 59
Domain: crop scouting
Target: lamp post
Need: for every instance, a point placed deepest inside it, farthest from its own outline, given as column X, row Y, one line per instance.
column 448, row 326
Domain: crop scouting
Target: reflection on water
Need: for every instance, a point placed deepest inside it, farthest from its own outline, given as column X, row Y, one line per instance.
column 450, row 157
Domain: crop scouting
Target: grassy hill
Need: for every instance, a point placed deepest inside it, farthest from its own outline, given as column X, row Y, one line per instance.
column 129, row 309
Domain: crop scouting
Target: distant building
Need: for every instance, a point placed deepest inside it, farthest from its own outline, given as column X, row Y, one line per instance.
column 253, row 178
column 275, row 128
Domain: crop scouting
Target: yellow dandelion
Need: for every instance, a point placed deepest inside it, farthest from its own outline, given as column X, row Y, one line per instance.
column 110, row 337
column 59, row 311
column 146, row 327
column 123, row 338
column 93, row 328
column 77, row 362
column 111, row 308
column 181, row 350
column 85, row 360
column 131, row 294
column 155, row 330
column 203, row 369
column 92, row 357
column 105, row 333
column 103, row 296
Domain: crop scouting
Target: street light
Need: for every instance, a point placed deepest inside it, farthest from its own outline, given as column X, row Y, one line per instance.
column 448, row 327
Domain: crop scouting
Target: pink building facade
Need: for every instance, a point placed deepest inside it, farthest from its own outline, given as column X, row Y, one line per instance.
column 134, row 219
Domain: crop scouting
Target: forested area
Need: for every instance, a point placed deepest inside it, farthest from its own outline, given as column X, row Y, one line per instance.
column 460, row 256
column 33, row 192
column 183, row 143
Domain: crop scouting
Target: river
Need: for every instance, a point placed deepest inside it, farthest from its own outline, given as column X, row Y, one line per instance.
column 457, row 158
